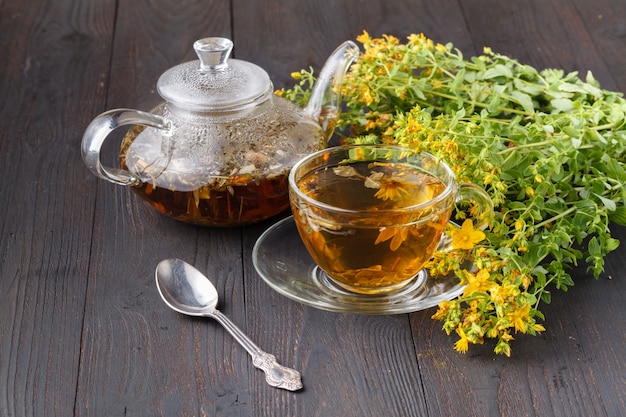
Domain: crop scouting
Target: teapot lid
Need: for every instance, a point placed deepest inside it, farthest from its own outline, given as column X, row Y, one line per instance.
column 214, row 82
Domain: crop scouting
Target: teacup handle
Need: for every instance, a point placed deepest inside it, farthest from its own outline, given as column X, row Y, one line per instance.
column 472, row 192
column 100, row 128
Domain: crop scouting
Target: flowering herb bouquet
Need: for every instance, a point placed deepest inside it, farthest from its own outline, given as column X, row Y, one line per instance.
column 548, row 147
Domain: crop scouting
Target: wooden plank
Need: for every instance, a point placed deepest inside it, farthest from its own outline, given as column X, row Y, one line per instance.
column 544, row 34
column 49, row 78
column 568, row 371
column 152, row 37
column 308, row 31
column 352, row 365
column 604, row 21
column 139, row 357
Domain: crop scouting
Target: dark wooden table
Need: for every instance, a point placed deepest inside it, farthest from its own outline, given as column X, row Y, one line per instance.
column 82, row 328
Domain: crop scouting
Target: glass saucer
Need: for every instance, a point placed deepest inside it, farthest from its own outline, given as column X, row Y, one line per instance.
column 283, row 262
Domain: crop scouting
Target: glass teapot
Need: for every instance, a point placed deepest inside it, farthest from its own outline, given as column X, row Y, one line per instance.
column 218, row 150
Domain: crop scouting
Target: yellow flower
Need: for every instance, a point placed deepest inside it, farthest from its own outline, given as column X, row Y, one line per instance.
column 506, row 337
column 526, row 280
column 519, row 317
column 392, row 190
column 416, row 38
column 364, row 38
column 391, row 40
column 366, row 96
column 451, row 148
column 296, row 75
column 461, row 345
column 466, row 237
column 500, row 294
column 441, row 48
column 478, row 283
column 442, row 312
column 413, row 125
column 396, row 234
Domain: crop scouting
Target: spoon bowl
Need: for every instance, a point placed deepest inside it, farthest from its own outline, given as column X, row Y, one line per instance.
column 186, row 290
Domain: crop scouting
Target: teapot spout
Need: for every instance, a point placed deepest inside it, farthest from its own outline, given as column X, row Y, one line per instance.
column 323, row 106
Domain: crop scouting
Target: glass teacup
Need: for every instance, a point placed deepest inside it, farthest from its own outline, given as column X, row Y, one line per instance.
column 371, row 216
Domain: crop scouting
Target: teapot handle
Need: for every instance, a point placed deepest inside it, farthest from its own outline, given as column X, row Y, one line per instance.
column 100, row 128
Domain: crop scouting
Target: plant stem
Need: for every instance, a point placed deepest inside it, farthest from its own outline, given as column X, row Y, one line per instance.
column 559, row 216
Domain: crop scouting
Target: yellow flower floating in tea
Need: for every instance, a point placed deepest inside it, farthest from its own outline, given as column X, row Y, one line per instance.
column 400, row 189
column 396, row 234
column 388, row 188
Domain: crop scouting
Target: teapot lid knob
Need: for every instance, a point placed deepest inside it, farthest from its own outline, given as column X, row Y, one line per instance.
column 213, row 53
column 215, row 83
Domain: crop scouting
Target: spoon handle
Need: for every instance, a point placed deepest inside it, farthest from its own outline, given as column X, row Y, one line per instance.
column 276, row 374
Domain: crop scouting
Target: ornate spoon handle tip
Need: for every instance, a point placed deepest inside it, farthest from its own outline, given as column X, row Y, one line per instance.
column 276, row 374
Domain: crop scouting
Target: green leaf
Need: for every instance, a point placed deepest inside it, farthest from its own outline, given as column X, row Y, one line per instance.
column 571, row 132
column 608, row 203
column 618, row 215
column 562, row 105
column 532, row 89
column 523, row 100
column 613, row 168
column 594, row 247
column 564, row 282
column 498, row 71
column 536, row 253
column 546, row 297
column 611, row 244
column 494, row 104
column 573, row 88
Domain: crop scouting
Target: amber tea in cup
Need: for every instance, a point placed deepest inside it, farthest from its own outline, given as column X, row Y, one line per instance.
column 371, row 216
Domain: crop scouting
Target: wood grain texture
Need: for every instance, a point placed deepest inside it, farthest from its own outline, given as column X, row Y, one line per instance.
column 607, row 29
column 314, row 29
column 568, row 371
column 352, row 365
column 143, row 358
column 83, row 331
column 545, row 34
column 48, row 81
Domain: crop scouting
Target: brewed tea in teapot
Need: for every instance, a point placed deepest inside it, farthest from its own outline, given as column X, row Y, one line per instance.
column 218, row 150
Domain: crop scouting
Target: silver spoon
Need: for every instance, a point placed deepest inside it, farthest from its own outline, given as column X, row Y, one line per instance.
column 188, row 291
